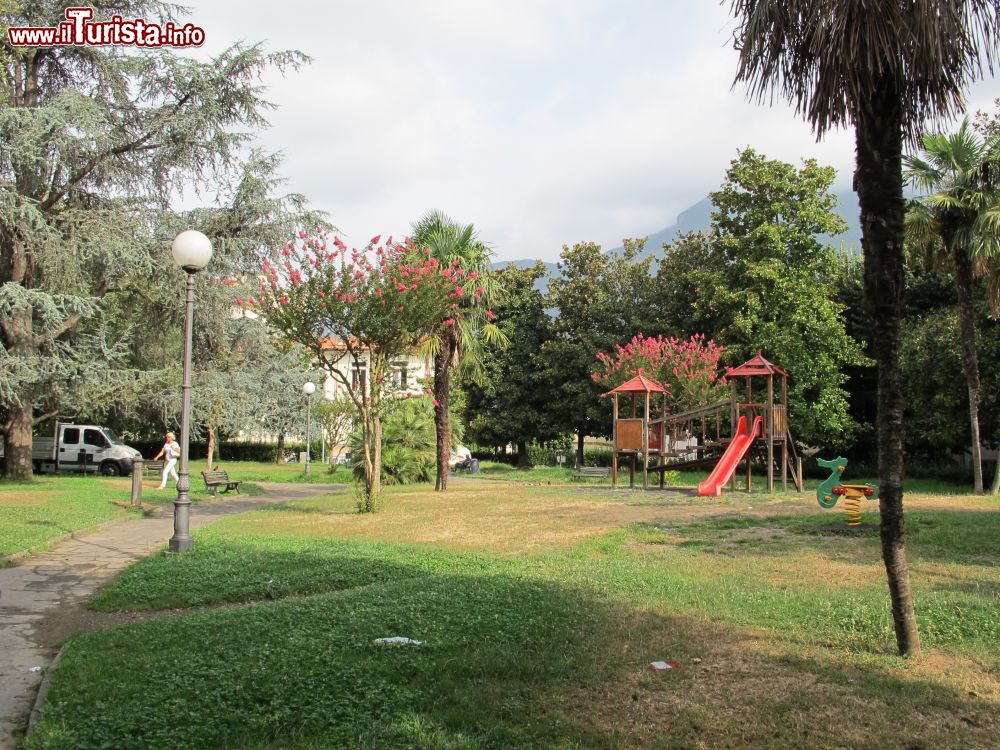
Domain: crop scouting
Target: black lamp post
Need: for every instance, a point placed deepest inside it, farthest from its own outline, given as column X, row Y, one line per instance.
column 192, row 251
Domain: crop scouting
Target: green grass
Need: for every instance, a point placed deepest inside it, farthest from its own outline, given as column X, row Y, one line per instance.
column 254, row 471
column 32, row 514
column 543, row 644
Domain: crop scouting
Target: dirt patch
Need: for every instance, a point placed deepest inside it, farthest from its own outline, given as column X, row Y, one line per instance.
column 51, row 631
column 737, row 689
column 29, row 498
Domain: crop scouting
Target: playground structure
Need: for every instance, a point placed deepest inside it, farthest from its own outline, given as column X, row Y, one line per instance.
column 668, row 442
column 830, row 490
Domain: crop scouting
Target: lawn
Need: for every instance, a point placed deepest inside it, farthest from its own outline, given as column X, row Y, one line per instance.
column 34, row 513
column 539, row 609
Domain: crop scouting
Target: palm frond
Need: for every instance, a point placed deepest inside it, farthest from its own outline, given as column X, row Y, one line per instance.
column 827, row 58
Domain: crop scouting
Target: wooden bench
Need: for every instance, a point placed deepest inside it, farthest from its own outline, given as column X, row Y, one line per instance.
column 152, row 467
column 216, row 479
column 598, row 472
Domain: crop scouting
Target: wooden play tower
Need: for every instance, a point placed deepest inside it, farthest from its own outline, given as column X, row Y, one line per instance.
column 777, row 435
column 637, row 435
column 697, row 438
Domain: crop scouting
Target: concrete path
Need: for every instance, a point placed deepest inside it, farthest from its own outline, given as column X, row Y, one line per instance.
column 37, row 588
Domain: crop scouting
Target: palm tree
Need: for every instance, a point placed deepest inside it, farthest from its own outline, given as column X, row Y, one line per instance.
column 883, row 66
column 460, row 342
column 960, row 171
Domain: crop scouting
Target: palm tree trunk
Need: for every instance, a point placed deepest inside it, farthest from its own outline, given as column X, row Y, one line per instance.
column 970, row 360
column 442, row 426
column 878, row 181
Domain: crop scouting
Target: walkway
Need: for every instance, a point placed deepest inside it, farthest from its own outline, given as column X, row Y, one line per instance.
column 37, row 592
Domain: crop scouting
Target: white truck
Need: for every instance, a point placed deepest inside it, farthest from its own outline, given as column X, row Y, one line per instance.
column 82, row 448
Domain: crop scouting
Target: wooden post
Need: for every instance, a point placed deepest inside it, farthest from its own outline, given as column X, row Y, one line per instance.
column 787, row 434
column 734, row 417
column 137, row 483
column 645, row 445
column 614, row 445
column 770, row 432
column 662, row 459
column 750, row 417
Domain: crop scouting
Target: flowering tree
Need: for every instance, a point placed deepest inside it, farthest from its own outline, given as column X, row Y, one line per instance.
column 376, row 304
column 689, row 370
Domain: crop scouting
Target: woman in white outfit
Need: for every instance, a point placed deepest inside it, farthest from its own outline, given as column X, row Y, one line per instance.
column 170, row 452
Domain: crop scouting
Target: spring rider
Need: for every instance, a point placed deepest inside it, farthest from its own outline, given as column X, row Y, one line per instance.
column 830, row 490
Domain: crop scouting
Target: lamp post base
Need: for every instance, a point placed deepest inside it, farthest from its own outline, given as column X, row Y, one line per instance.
column 181, row 541
column 178, row 546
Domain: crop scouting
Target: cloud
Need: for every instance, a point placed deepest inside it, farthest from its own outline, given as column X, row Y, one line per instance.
column 544, row 122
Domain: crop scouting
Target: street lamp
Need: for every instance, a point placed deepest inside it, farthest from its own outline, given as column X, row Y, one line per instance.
column 308, row 389
column 192, row 251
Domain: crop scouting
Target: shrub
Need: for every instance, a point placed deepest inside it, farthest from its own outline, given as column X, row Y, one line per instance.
column 408, row 440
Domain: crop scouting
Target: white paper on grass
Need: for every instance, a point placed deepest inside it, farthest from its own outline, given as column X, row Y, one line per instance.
column 397, row 640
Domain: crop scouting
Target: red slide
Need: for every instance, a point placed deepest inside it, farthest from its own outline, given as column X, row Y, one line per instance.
column 731, row 458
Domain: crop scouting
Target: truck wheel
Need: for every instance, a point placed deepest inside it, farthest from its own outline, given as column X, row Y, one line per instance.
column 36, row 466
column 110, row 469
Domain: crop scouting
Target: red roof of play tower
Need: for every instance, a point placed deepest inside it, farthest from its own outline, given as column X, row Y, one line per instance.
column 639, row 384
column 755, row 366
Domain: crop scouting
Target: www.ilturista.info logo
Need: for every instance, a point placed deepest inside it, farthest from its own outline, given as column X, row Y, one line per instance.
column 79, row 31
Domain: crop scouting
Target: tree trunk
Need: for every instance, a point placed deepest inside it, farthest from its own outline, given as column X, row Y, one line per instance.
column 522, row 455
column 579, row 449
column 281, row 448
column 995, row 487
column 17, row 444
column 211, row 447
column 17, row 332
column 878, row 181
column 375, row 483
column 967, row 321
column 442, row 425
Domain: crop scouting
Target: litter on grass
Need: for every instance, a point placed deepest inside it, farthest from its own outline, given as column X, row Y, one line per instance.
column 35, row 669
column 658, row 665
column 397, row 640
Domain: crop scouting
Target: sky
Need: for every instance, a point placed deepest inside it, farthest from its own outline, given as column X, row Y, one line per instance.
column 542, row 122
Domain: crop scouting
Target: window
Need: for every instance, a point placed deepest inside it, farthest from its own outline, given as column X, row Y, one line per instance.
column 359, row 376
column 400, row 375
column 71, row 435
column 95, row 438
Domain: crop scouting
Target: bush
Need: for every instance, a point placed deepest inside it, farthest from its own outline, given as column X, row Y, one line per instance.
column 408, row 444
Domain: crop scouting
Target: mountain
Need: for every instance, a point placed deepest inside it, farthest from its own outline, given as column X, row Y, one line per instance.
column 697, row 218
